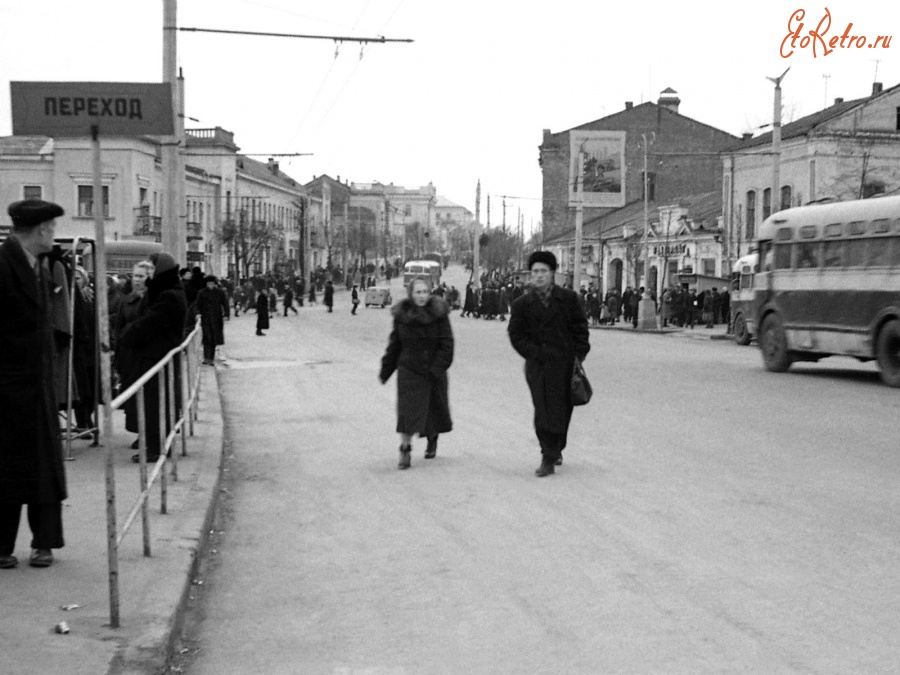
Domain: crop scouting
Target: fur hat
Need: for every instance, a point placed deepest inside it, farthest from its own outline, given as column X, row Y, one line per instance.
column 543, row 257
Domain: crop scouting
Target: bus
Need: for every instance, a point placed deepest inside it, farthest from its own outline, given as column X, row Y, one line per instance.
column 743, row 322
column 123, row 254
column 428, row 270
column 829, row 285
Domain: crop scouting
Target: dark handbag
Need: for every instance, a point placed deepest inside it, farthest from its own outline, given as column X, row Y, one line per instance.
column 581, row 387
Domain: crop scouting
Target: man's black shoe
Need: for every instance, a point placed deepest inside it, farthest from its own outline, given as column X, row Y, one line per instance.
column 7, row 562
column 41, row 558
column 545, row 469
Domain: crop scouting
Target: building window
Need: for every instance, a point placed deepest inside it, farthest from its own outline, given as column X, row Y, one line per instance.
column 32, row 192
column 751, row 214
column 785, row 197
column 86, row 201
column 709, row 266
column 767, row 203
column 898, row 118
column 650, row 184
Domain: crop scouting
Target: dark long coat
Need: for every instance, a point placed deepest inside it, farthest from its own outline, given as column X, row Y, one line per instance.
column 549, row 338
column 127, row 364
column 420, row 349
column 262, row 311
column 212, row 314
column 31, row 463
column 329, row 295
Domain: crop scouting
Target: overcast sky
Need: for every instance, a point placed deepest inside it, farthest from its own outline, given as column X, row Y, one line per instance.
column 470, row 97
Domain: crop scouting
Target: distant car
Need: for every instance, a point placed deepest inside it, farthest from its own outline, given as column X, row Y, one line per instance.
column 380, row 297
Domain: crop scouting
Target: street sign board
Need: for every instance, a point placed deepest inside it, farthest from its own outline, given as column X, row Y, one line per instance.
column 72, row 108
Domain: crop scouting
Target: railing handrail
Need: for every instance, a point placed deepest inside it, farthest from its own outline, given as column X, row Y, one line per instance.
column 143, row 379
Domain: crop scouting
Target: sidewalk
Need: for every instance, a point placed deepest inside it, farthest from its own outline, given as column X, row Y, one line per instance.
column 152, row 590
column 699, row 332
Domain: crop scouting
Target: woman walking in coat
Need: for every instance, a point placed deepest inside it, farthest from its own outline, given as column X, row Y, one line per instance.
column 211, row 310
column 420, row 349
column 354, row 299
column 329, row 295
column 262, row 312
column 548, row 328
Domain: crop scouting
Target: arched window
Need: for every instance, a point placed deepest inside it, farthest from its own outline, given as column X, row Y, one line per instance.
column 785, row 197
column 767, row 203
column 751, row 214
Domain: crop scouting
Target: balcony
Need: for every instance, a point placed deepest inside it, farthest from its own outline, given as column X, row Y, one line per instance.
column 146, row 225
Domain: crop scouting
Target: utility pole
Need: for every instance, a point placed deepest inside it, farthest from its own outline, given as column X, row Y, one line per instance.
column 476, row 244
column 776, row 143
column 646, row 308
column 174, row 233
column 579, row 219
column 503, row 224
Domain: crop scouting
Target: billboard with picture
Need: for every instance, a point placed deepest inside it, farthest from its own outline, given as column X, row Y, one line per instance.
column 603, row 166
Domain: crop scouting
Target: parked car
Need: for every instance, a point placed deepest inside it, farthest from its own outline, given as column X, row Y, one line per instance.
column 380, row 297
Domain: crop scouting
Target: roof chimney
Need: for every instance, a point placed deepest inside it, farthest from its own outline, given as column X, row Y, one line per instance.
column 273, row 165
column 838, row 100
column 629, row 105
column 877, row 88
column 746, row 136
column 668, row 98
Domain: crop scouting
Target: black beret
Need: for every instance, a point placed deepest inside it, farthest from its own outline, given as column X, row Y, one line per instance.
column 33, row 212
column 542, row 257
column 210, row 277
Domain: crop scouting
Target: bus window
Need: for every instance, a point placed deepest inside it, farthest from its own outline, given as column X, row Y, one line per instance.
column 782, row 256
column 857, row 227
column 784, row 234
column 833, row 257
column 415, row 269
column 833, row 230
column 881, row 226
column 807, row 254
column 878, row 250
column 854, row 252
column 808, row 232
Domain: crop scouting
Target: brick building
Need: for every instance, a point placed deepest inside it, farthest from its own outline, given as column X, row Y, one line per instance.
column 682, row 159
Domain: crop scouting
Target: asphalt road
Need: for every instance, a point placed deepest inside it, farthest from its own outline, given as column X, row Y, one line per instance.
column 710, row 517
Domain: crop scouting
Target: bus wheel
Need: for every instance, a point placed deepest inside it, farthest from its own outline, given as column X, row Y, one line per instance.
column 741, row 334
column 773, row 343
column 888, row 353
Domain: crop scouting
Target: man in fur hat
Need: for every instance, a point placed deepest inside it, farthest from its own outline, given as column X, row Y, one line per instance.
column 547, row 327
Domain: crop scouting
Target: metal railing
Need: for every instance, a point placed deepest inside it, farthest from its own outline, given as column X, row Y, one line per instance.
column 182, row 362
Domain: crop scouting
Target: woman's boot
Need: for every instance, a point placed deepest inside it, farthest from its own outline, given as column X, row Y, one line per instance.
column 405, row 453
column 431, row 450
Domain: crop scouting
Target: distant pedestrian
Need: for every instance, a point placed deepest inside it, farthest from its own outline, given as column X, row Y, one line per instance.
column 31, row 457
column 420, row 349
column 210, row 309
column 262, row 312
column 354, row 300
column 312, row 293
column 288, row 301
column 329, row 295
column 548, row 328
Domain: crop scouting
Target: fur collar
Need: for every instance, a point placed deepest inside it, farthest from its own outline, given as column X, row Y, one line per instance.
column 406, row 311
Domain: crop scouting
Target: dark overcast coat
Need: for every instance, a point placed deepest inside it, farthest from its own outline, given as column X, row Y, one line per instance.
column 31, row 463
column 211, row 310
column 420, row 349
column 549, row 338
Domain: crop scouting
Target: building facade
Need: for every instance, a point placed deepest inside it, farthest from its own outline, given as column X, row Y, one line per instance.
column 849, row 150
column 682, row 159
column 402, row 219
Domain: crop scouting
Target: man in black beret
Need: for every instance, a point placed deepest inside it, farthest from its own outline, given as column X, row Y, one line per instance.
column 31, row 461
column 547, row 326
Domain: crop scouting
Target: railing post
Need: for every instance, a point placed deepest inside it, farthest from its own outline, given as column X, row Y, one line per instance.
column 142, row 469
column 161, row 420
column 183, row 398
column 170, row 405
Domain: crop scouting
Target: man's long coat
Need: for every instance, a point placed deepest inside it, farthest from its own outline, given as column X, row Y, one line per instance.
column 31, row 462
column 550, row 338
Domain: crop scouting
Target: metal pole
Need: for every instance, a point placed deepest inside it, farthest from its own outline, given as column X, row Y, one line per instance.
column 476, row 243
column 173, row 230
column 142, row 468
column 103, row 334
column 161, row 421
column 579, row 220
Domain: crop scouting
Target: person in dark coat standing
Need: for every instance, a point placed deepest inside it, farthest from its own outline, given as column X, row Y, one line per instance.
column 288, row 300
column 354, row 300
column 548, row 328
column 211, row 311
column 158, row 329
column 329, row 295
column 262, row 312
column 420, row 349
column 31, row 458
column 126, row 359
